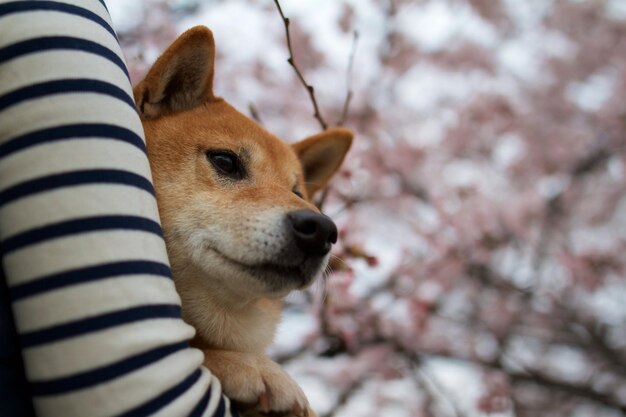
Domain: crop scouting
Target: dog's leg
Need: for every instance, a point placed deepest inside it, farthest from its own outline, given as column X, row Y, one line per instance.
column 258, row 384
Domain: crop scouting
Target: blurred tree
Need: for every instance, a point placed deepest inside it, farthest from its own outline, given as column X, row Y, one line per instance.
column 481, row 268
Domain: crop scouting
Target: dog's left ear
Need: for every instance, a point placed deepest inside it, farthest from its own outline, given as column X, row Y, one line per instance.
column 321, row 156
column 182, row 77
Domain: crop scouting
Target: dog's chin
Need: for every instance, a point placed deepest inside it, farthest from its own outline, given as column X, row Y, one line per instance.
column 276, row 279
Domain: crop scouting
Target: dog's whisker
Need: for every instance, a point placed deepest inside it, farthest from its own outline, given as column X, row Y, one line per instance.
column 323, row 287
column 339, row 259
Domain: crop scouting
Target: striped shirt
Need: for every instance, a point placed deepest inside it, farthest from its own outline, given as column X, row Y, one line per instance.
column 93, row 302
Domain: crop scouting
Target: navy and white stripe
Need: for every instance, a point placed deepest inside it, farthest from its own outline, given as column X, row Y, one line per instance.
column 93, row 301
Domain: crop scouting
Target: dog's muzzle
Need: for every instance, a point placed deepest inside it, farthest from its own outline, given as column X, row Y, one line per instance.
column 314, row 233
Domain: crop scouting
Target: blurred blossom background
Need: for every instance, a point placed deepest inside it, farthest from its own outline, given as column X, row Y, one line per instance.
column 482, row 210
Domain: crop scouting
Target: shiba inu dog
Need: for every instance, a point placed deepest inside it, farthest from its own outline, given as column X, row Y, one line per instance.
column 240, row 229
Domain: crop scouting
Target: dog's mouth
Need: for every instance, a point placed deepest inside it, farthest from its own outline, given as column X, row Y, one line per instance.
column 276, row 275
column 270, row 268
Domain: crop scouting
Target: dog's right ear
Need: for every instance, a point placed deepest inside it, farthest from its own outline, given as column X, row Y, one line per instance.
column 182, row 77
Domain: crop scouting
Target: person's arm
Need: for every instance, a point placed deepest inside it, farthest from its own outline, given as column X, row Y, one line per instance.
column 94, row 304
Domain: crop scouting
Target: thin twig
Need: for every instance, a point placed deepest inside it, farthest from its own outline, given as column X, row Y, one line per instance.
column 586, row 165
column 283, row 358
column 254, row 113
column 424, row 382
column 436, row 389
column 292, row 62
column 322, row 198
column 349, row 94
column 344, row 397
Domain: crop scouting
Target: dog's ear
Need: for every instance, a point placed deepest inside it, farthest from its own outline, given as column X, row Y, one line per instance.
column 321, row 156
column 182, row 77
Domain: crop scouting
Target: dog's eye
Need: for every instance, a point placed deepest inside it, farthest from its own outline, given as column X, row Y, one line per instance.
column 226, row 163
column 298, row 193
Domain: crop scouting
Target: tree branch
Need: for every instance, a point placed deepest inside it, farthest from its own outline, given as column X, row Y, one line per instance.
column 344, row 397
column 435, row 389
column 292, row 62
column 580, row 391
column 576, row 390
column 346, row 103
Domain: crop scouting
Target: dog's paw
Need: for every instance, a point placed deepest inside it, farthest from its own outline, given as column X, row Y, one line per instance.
column 259, row 385
column 256, row 413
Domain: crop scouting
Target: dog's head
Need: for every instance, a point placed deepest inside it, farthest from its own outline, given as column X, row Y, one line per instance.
column 234, row 200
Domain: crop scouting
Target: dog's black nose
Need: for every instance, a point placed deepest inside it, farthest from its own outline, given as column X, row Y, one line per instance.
column 314, row 232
